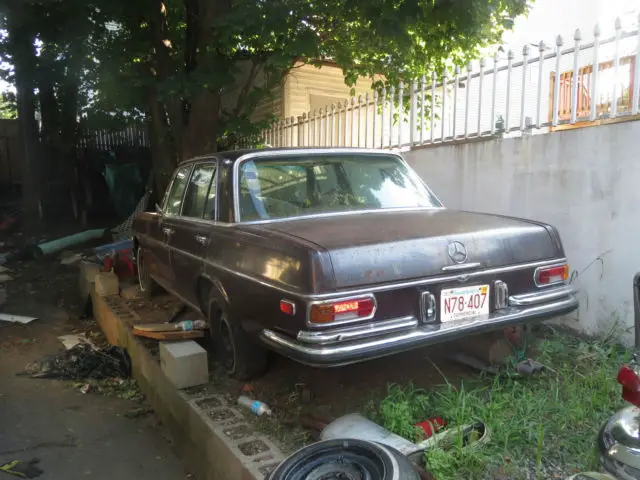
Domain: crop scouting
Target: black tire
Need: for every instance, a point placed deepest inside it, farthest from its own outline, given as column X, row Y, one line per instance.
column 240, row 357
column 346, row 458
column 148, row 286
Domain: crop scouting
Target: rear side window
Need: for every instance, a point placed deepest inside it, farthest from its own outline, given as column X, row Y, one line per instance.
column 198, row 194
column 176, row 191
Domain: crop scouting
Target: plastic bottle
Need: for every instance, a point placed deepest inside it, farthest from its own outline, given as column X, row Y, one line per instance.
column 188, row 325
column 256, row 406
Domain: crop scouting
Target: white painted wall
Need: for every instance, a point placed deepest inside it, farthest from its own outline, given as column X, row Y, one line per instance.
column 586, row 182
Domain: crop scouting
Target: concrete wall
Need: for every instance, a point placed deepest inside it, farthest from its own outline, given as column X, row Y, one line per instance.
column 586, row 182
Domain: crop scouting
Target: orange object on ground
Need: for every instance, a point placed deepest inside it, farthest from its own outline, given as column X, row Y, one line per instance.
column 431, row 426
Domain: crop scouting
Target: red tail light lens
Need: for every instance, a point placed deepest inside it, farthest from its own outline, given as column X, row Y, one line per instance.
column 343, row 310
column 551, row 275
column 287, row 307
column 628, row 378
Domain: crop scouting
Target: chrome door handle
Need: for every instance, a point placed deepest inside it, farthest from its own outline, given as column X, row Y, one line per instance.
column 168, row 231
column 202, row 240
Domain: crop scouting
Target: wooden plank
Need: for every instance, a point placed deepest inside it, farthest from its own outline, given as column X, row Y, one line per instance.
column 176, row 335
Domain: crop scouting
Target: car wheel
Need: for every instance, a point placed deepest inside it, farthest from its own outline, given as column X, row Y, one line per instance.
column 240, row 357
column 345, row 458
column 148, row 286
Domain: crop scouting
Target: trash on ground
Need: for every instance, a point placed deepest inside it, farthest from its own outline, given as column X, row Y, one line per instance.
column 21, row 469
column 529, row 367
column 71, row 259
column 117, row 256
column 473, row 436
column 256, row 406
column 185, row 326
column 5, row 278
column 7, row 317
column 85, row 388
column 138, row 412
column 175, row 335
column 82, row 362
column 53, row 246
column 431, row 426
column 70, row 341
column 354, row 425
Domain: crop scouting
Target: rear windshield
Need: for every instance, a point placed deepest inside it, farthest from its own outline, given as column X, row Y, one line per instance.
column 295, row 186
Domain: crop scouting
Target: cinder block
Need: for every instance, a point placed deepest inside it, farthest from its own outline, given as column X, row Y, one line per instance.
column 184, row 363
column 107, row 284
column 88, row 272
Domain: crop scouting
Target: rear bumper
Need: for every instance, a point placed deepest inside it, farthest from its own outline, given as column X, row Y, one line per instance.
column 330, row 348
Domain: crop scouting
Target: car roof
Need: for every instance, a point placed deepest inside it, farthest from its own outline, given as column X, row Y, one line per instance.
column 233, row 155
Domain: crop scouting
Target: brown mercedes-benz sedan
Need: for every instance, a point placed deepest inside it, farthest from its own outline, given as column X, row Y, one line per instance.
column 335, row 256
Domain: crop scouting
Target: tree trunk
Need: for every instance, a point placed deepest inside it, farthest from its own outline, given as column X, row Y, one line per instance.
column 21, row 44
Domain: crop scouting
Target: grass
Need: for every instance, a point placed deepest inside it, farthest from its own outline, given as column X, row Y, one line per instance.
column 539, row 426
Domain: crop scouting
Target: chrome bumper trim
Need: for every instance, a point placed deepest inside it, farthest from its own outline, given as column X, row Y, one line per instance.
column 541, row 296
column 390, row 343
column 359, row 331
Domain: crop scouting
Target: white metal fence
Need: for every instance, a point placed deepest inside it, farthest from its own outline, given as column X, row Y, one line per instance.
column 548, row 86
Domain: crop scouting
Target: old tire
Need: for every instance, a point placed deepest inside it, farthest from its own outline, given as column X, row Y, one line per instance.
column 240, row 357
column 148, row 286
column 345, row 458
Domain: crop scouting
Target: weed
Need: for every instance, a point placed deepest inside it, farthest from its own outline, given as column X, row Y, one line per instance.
column 548, row 420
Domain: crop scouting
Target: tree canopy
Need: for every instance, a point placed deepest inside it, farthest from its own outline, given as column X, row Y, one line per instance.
column 197, row 69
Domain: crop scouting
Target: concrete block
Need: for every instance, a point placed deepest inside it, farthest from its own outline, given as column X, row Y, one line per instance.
column 107, row 284
column 184, row 363
column 88, row 272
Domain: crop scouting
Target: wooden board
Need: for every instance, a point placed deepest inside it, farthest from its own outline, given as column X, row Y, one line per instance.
column 176, row 335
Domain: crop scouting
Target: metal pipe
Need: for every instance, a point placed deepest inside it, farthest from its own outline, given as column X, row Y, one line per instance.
column 636, row 311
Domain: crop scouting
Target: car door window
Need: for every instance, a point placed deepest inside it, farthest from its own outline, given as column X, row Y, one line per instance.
column 176, row 191
column 210, row 203
column 198, row 191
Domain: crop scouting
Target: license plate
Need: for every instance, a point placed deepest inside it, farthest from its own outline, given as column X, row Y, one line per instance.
column 464, row 302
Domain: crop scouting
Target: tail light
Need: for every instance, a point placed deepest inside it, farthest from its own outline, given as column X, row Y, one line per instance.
column 544, row 276
column 628, row 378
column 344, row 310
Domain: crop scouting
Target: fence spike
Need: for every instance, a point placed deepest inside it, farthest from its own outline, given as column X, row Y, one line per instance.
column 444, row 102
column 359, row 118
column 375, row 116
column 392, row 99
column 383, row 102
column 400, row 112
column 413, row 111
column 423, row 116
column 353, row 110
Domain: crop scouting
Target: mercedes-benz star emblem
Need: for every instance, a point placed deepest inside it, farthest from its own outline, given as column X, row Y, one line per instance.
column 457, row 252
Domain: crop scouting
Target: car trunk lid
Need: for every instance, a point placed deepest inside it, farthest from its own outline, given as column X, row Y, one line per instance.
column 390, row 246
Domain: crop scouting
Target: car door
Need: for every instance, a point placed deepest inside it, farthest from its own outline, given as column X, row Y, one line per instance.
column 161, row 267
column 193, row 230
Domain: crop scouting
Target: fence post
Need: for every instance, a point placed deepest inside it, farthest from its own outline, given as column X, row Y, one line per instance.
column 412, row 111
column 466, row 101
column 510, row 57
column 359, row 118
column 594, row 73
column 616, row 68
column 433, row 105
column 574, row 78
column 636, row 83
column 493, row 94
column 541, row 49
column 366, row 120
column 375, row 116
column 392, row 98
column 455, row 101
column 400, row 112
column 525, row 65
column 444, row 103
column 556, row 85
column 301, row 119
column 481, row 80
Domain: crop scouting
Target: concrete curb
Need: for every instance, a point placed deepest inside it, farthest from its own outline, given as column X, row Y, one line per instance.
column 212, row 437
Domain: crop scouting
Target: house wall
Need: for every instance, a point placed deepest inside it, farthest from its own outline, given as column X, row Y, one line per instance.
column 583, row 181
column 308, row 87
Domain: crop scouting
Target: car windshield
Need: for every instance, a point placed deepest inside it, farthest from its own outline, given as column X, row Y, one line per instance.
column 294, row 186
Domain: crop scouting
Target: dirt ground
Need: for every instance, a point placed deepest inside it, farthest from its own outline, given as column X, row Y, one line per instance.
column 74, row 435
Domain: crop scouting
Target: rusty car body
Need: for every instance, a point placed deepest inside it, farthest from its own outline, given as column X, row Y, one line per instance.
column 336, row 256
